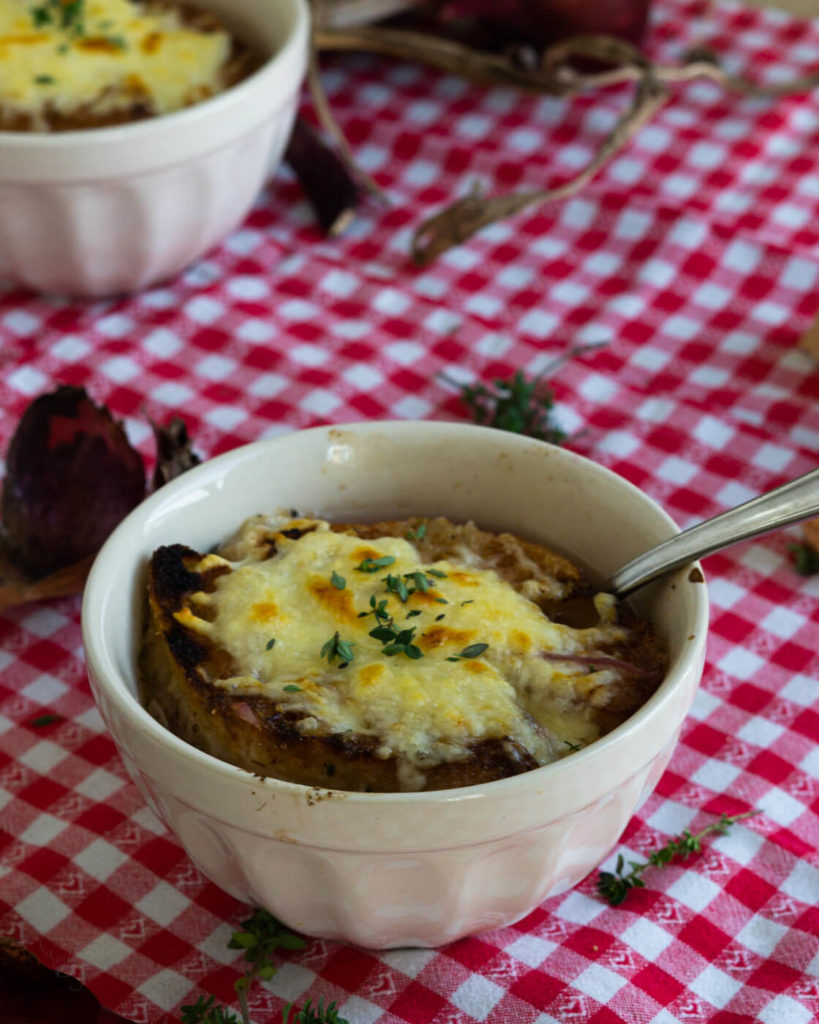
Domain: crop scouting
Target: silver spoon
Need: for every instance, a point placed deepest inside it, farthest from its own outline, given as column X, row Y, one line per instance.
column 796, row 500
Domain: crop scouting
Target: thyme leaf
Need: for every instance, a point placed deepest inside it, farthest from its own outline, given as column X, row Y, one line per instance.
column 374, row 564
column 472, row 651
column 805, row 559
column 203, row 1011
column 66, row 14
column 395, row 585
column 335, row 647
column 48, row 718
column 338, row 581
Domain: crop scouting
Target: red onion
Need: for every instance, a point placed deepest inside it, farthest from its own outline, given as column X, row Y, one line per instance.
column 599, row 661
column 71, row 476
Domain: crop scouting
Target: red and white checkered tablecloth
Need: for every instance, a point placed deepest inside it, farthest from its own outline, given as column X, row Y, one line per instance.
column 694, row 257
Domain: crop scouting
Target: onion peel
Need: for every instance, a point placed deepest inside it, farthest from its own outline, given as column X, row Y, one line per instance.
column 71, row 477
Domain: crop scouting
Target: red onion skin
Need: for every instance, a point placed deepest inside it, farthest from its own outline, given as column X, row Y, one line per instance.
column 543, row 22
column 599, row 661
column 31, row 993
column 246, row 713
column 71, row 476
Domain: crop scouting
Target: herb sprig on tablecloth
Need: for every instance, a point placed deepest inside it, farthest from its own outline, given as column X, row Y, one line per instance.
column 615, row 886
column 260, row 936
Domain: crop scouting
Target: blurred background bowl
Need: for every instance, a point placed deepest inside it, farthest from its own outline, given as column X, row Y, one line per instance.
column 396, row 869
column 110, row 210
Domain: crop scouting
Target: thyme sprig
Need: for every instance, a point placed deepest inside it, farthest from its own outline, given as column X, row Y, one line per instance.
column 397, row 641
column 378, row 609
column 260, row 936
column 615, row 886
column 421, row 582
column 308, row 1015
column 66, row 14
column 521, row 405
column 335, row 647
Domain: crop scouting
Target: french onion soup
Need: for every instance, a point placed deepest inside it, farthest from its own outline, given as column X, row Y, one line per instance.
column 397, row 656
column 75, row 64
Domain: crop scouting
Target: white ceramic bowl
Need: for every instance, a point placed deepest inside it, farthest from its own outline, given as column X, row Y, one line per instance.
column 384, row 870
column 109, row 210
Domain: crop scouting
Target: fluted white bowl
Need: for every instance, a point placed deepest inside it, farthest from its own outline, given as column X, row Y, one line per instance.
column 111, row 210
column 395, row 869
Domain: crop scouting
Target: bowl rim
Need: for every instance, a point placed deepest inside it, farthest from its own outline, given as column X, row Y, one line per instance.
column 108, row 677
column 134, row 131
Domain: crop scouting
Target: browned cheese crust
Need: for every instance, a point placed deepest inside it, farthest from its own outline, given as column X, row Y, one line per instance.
column 255, row 733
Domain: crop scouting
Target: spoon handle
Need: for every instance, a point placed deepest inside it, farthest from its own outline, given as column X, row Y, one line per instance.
column 798, row 499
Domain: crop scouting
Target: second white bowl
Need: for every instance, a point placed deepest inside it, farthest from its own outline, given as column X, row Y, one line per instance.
column 108, row 210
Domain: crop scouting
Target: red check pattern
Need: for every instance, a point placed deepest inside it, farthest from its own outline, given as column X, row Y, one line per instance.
column 693, row 262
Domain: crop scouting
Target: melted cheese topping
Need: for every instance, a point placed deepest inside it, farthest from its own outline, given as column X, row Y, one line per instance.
column 102, row 56
column 276, row 614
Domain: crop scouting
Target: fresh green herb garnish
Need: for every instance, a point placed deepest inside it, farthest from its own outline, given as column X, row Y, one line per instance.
column 260, row 936
column 203, row 1011
column 416, row 533
column 374, row 564
column 615, row 886
column 292, row 688
column 338, row 581
column 46, row 719
column 397, row 641
column 441, row 616
column 395, row 585
column 413, row 613
column 45, row 79
column 519, row 405
column 66, row 14
column 470, row 601
column 472, row 651
column 805, row 558
column 573, row 746
column 41, row 15
column 420, row 580
column 438, row 573
column 72, row 14
column 338, row 648
column 307, row 1015
column 271, row 643
column 378, row 609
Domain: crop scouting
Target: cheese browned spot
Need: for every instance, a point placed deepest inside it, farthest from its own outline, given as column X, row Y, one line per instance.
column 95, row 62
